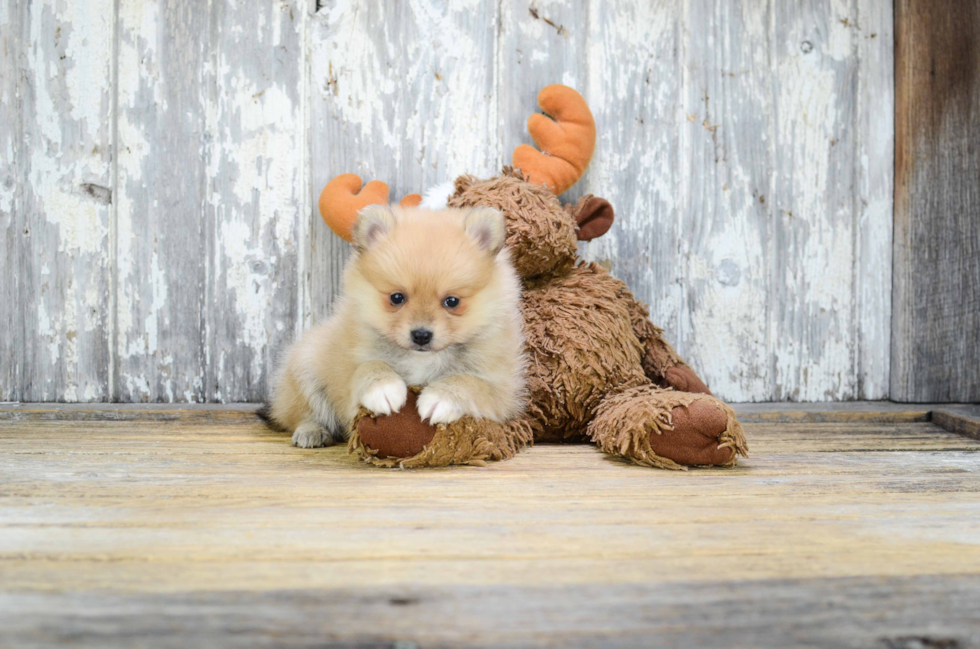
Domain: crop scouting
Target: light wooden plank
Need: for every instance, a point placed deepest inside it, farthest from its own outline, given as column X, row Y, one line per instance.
column 12, row 223
column 237, row 505
column 258, row 190
column 823, row 411
column 161, row 257
column 812, row 246
column 727, row 162
column 936, row 291
column 400, row 92
column 874, row 198
column 770, row 412
column 634, row 92
column 57, row 295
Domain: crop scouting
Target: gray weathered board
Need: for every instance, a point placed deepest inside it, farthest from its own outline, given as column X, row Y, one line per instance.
column 936, row 351
column 159, row 163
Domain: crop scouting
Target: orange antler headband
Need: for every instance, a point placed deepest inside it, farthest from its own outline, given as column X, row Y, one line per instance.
column 343, row 198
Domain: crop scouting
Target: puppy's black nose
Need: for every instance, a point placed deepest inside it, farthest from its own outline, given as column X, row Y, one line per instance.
column 421, row 337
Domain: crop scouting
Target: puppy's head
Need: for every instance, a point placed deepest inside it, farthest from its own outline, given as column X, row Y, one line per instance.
column 428, row 279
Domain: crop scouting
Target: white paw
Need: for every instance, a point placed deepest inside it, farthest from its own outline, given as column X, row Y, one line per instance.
column 309, row 435
column 438, row 407
column 385, row 397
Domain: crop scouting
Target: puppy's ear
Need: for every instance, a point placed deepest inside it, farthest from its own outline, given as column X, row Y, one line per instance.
column 372, row 225
column 487, row 228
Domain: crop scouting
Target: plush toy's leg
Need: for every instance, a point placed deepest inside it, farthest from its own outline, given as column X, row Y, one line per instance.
column 668, row 429
column 405, row 441
column 661, row 363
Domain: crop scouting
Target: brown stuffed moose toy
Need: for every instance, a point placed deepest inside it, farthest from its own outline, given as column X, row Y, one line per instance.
column 598, row 369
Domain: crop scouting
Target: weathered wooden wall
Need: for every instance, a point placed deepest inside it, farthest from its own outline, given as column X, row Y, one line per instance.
column 936, row 350
column 160, row 160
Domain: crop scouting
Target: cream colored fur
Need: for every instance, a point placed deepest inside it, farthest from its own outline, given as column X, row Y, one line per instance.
column 363, row 355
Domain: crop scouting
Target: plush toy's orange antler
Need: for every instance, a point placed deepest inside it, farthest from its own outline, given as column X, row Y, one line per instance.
column 411, row 200
column 566, row 141
column 343, row 198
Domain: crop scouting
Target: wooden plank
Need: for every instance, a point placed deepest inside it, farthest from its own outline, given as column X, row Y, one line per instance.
column 772, row 412
column 936, row 281
column 203, row 432
column 59, row 202
column 12, row 216
column 401, row 93
column 812, row 244
column 162, row 272
column 632, row 55
column 861, row 612
column 874, row 196
column 727, row 165
column 821, row 411
column 258, row 191
column 187, row 506
column 960, row 419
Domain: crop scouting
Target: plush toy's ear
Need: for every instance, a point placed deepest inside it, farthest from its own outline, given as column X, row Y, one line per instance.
column 565, row 135
column 487, row 228
column 593, row 215
column 463, row 183
column 373, row 224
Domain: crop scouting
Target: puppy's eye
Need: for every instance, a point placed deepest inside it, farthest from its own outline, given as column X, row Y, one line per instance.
column 397, row 298
column 451, row 302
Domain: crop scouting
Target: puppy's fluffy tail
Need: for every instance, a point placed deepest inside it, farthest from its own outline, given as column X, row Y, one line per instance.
column 265, row 414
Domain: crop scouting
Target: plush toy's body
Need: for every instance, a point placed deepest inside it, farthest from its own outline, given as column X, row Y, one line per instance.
column 598, row 369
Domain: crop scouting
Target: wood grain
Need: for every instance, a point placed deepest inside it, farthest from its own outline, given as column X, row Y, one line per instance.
column 633, row 91
column 257, row 193
column 178, row 533
column 812, row 279
column 57, row 195
column 727, row 140
column 13, row 379
column 960, row 419
column 875, row 127
column 906, row 612
column 162, row 270
column 936, row 291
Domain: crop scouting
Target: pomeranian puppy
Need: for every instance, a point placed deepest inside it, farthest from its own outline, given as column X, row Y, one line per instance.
column 430, row 298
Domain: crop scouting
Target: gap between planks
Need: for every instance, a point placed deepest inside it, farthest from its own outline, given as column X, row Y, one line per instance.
column 962, row 419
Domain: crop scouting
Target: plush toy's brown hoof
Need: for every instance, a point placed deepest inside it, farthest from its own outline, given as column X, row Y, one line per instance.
column 404, row 440
column 399, row 435
column 683, row 379
column 668, row 429
column 695, row 438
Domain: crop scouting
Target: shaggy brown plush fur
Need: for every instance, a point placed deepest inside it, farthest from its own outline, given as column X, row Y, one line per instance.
column 599, row 369
column 403, row 440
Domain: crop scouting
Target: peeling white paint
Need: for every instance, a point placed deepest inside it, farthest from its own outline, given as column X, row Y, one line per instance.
column 749, row 213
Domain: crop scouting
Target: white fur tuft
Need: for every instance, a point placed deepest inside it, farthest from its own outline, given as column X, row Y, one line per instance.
column 435, row 198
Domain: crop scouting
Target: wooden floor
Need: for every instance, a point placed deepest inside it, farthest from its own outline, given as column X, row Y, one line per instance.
column 201, row 528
